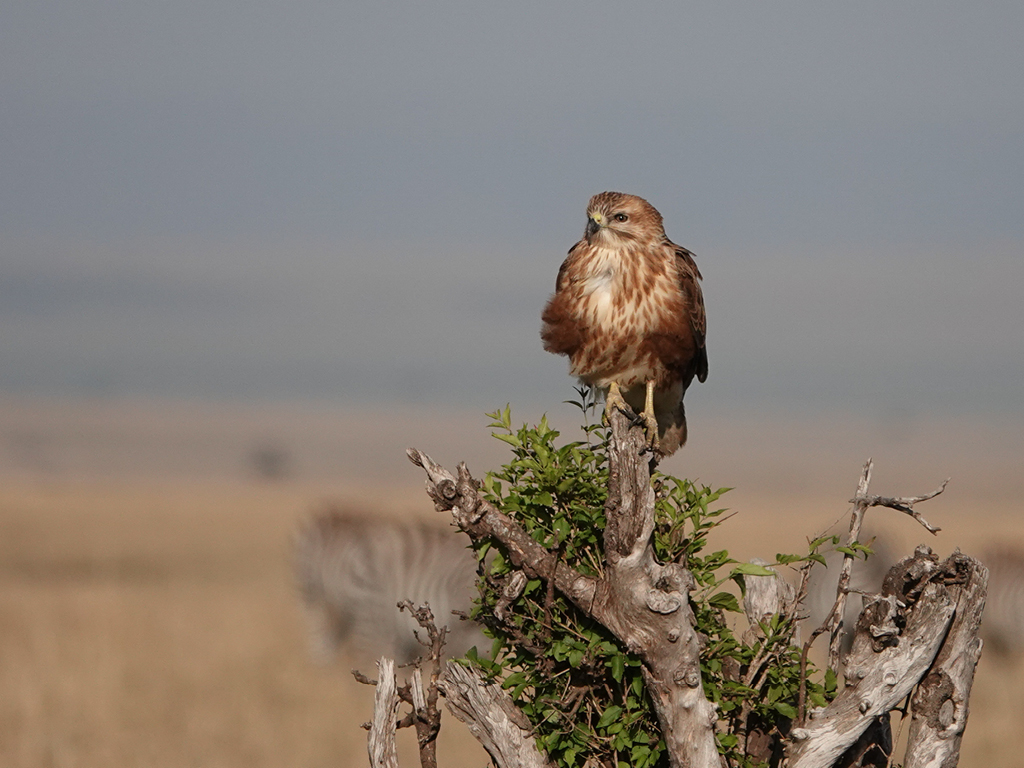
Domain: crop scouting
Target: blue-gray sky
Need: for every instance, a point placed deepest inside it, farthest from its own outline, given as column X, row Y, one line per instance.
column 365, row 201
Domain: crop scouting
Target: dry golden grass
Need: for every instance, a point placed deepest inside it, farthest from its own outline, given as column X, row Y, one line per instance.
column 158, row 626
column 148, row 617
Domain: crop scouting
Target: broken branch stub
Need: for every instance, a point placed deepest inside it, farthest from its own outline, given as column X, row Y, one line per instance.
column 381, row 741
column 940, row 704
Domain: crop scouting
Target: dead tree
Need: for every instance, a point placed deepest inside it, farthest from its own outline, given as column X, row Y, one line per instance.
column 919, row 633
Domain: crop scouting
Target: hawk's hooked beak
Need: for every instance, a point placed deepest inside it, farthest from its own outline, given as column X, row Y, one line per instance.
column 594, row 223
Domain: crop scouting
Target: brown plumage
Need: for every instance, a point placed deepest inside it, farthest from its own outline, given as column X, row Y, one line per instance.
column 629, row 313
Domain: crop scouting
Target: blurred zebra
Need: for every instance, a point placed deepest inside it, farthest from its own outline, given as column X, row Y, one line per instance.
column 1002, row 623
column 353, row 569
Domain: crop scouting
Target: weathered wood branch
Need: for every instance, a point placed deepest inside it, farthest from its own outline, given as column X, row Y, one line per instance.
column 940, row 704
column 492, row 718
column 647, row 605
column 765, row 596
column 904, row 504
column 898, row 637
column 381, row 741
column 643, row 602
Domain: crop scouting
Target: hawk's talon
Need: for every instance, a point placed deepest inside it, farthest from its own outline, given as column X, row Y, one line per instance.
column 645, row 418
column 650, row 424
column 614, row 399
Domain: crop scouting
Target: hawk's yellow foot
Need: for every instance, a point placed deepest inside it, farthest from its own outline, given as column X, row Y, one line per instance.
column 612, row 400
column 649, row 420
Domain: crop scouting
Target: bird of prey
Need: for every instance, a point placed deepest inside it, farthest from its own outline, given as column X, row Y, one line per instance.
column 629, row 313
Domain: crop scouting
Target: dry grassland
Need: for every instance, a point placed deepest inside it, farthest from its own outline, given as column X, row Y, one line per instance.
column 147, row 613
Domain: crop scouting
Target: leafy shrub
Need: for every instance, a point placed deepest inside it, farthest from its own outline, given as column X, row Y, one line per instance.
column 580, row 688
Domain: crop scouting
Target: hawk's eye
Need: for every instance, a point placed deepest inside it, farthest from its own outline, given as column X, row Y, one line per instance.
column 621, row 217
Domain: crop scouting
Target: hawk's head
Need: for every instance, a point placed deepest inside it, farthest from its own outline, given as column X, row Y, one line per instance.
column 614, row 218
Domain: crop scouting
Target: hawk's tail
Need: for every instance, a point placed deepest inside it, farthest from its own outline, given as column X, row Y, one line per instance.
column 671, row 430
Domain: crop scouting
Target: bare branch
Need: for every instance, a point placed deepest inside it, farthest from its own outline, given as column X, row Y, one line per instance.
column 419, row 703
column 381, row 742
column 903, row 504
column 424, row 716
column 361, row 678
column 834, row 622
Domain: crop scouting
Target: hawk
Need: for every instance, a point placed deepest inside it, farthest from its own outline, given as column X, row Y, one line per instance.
column 629, row 313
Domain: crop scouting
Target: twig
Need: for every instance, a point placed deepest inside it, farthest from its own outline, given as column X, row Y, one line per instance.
column 425, row 716
column 801, row 696
column 360, row 677
column 549, row 596
column 903, row 504
column 835, row 619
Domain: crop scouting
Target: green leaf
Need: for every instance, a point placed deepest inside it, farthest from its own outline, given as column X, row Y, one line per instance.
column 728, row 740
column 618, row 666
column 785, row 709
column 725, row 601
column 831, row 683
column 510, row 439
column 609, row 716
column 638, row 685
column 751, row 569
column 513, row 680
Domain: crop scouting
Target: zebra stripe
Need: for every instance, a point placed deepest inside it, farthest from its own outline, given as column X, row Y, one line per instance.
column 353, row 570
column 1002, row 623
